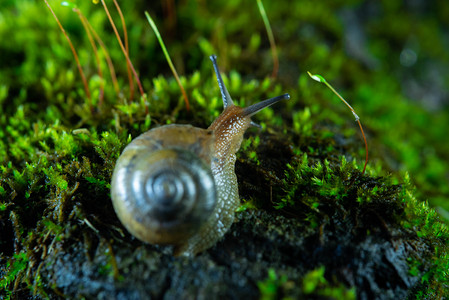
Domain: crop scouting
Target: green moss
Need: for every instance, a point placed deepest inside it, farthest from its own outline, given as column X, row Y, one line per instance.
column 14, row 270
column 314, row 283
column 270, row 288
column 58, row 149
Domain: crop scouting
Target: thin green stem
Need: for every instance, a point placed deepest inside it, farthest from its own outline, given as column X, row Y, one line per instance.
column 321, row 79
column 274, row 52
column 167, row 57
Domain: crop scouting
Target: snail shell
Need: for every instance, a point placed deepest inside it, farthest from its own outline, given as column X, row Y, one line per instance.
column 176, row 184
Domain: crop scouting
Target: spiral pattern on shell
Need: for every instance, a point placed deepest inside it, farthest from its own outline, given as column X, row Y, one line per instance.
column 165, row 195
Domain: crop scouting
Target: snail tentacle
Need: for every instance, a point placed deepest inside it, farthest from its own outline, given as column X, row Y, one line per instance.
column 227, row 100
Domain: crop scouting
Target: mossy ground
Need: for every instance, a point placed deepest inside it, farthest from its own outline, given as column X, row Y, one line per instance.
column 311, row 225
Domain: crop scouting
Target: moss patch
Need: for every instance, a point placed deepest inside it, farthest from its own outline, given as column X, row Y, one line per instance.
column 310, row 225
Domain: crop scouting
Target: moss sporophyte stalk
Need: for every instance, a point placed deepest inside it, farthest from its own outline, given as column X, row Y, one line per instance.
column 315, row 219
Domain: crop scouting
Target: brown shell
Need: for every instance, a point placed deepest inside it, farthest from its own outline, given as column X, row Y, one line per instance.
column 161, row 158
column 213, row 157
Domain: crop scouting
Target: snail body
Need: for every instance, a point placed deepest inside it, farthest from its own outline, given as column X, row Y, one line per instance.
column 176, row 184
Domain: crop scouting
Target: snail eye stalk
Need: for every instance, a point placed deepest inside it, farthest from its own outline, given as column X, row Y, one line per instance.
column 227, row 100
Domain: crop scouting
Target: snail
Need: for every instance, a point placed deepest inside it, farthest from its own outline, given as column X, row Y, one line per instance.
column 176, row 184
